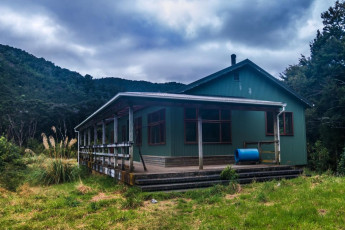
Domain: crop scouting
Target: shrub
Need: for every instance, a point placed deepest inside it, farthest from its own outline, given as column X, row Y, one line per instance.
column 341, row 164
column 319, row 157
column 11, row 165
column 229, row 174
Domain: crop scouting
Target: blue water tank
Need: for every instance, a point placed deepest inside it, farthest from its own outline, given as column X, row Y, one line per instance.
column 242, row 155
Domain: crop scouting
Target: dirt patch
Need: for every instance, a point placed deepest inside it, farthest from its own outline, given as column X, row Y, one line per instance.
column 231, row 196
column 269, row 204
column 27, row 190
column 83, row 189
column 322, row 212
column 102, row 196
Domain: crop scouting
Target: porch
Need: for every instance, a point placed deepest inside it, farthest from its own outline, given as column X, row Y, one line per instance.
column 111, row 152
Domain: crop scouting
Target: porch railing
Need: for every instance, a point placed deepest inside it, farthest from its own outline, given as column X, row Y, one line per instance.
column 261, row 151
column 105, row 158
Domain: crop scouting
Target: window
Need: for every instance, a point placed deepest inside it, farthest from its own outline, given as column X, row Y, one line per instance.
column 138, row 130
column 285, row 123
column 216, row 125
column 156, row 127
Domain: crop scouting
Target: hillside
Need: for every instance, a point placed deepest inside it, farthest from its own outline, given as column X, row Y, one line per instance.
column 37, row 94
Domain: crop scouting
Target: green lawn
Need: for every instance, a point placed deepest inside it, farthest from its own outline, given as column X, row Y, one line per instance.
column 316, row 202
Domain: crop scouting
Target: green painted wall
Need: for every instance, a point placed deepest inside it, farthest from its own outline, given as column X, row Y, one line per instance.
column 246, row 125
column 250, row 125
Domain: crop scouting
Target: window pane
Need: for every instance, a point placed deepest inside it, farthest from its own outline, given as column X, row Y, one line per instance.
column 226, row 132
column 191, row 131
column 226, row 115
column 281, row 124
column 288, row 123
column 209, row 114
column 269, row 122
column 154, row 134
column 161, row 132
column 190, row 113
column 211, row 132
column 138, row 130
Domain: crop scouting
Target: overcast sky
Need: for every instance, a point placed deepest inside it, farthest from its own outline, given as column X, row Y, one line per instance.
column 159, row 41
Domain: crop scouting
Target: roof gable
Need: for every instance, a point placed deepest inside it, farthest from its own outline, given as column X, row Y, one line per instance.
column 237, row 66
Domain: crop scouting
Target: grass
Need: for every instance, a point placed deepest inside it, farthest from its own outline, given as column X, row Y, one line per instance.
column 97, row 202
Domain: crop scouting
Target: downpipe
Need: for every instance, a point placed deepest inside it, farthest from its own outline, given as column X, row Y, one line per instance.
column 278, row 133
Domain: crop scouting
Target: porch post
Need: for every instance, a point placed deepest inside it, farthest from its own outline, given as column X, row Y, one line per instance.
column 78, row 149
column 276, row 138
column 95, row 134
column 201, row 157
column 130, row 137
column 103, row 132
column 93, row 156
column 84, row 142
column 103, row 143
column 88, row 136
column 116, row 125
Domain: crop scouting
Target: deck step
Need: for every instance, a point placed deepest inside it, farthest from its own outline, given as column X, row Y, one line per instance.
column 177, row 179
column 200, row 179
column 269, row 173
column 201, row 184
column 208, row 172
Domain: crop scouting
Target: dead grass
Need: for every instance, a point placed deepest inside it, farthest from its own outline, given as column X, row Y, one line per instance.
column 83, row 189
column 4, row 192
column 102, row 196
column 232, row 196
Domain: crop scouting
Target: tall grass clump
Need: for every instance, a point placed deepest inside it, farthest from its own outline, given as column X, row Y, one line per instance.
column 58, row 167
column 58, row 147
column 56, row 171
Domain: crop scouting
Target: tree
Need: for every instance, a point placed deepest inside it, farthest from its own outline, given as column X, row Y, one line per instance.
column 321, row 79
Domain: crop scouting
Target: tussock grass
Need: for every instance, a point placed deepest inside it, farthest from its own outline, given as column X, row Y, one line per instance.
column 98, row 202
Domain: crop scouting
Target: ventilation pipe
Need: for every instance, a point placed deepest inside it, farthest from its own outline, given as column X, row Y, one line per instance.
column 233, row 59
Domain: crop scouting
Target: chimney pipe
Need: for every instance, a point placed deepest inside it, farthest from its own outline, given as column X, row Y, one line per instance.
column 233, row 59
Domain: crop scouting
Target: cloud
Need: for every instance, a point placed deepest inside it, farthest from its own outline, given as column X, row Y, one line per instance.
column 166, row 40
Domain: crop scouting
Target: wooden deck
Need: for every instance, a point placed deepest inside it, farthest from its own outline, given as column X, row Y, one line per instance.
column 156, row 169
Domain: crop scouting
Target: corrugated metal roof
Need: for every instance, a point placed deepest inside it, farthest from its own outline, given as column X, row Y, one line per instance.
column 184, row 97
column 237, row 66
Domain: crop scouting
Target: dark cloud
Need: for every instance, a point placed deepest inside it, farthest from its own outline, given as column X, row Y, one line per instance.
column 160, row 40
